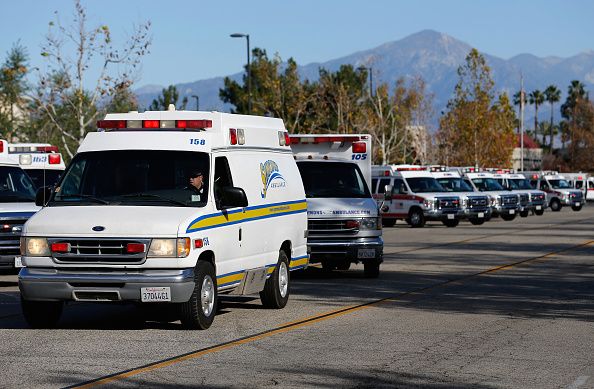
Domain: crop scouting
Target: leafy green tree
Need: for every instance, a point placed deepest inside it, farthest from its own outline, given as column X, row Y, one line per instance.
column 65, row 96
column 537, row 98
column 552, row 96
column 123, row 100
column 13, row 87
column 169, row 95
column 575, row 93
column 478, row 127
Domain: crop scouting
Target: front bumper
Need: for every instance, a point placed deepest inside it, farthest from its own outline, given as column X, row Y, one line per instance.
column 342, row 249
column 500, row 210
column 572, row 202
column 438, row 214
column 49, row 284
column 476, row 213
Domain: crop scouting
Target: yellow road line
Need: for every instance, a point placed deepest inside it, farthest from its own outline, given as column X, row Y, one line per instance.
column 303, row 323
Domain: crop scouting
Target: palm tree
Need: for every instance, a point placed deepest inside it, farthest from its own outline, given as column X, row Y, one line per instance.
column 552, row 96
column 537, row 98
column 576, row 91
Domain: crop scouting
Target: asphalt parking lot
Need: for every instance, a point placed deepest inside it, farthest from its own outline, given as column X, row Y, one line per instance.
column 505, row 304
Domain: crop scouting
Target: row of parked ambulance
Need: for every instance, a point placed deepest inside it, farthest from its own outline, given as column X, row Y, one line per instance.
column 178, row 207
column 418, row 194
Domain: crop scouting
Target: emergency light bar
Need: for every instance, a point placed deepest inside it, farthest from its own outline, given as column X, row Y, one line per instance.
column 31, row 149
column 324, row 139
column 411, row 169
column 154, row 124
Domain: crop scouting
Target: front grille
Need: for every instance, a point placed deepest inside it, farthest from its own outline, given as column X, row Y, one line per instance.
column 448, row 203
column 537, row 198
column 524, row 199
column 332, row 227
column 479, row 203
column 100, row 251
column 509, row 201
column 10, row 233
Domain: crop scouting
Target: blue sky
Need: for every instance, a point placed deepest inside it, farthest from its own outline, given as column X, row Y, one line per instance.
column 191, row 38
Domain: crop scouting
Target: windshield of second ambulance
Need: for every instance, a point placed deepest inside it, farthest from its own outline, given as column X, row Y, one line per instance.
column 135, row 177
column 332, row 180
column 454, row 184
column 560, row 184
column 487, row 184
column 15, row 186
column 519, row 183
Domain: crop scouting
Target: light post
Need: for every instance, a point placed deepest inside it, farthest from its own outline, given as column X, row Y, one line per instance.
column 249, row 75
column 197, row 102
column 370, row 70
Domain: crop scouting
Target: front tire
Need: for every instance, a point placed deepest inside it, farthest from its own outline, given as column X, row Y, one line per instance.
column 576, row 208
column 451, row 223
column 555, row 205
column 388, row 222
column 477, row 221
column 371, row 269
column 199, row 311
column 42, row 314
column 524, row 213
column 539, row 212
column 416, row 219
column 275, row 294
column 508, row 217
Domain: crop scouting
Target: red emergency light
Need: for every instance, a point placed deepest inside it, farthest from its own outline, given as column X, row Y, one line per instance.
column 152, row 124
column 54, row 159
column 60, row 247
column 359, row 147
column 111, row 124
column 47, row 149
column 233, row 136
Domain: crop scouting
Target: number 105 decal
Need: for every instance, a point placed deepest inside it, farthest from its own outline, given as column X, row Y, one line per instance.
column 201, row 142
column 361, row 157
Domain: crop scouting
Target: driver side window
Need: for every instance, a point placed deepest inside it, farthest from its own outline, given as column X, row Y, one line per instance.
column 222, row 177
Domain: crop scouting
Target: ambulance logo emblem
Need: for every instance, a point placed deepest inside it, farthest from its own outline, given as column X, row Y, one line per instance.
column 271, row 177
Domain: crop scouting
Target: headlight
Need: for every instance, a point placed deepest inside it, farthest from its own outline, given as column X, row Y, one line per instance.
column 465, row 202
column 178, row 248
column 492, row 201
column 371, row 223
column 429, row 203
column 35, row 247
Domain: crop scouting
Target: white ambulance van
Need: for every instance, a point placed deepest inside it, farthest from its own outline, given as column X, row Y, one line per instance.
column 41, row 161
column 416, row 196
column 531, row 200
column 559, row 190
column 169, row 207
column 344, row 224
column 17, row 205
column 503, row 202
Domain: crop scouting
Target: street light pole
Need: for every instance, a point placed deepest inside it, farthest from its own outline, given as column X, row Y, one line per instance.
column 197, row 102
column 249, row 73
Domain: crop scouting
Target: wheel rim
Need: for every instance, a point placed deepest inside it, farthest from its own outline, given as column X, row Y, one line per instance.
column 283, row 279
column 207, row 294
column 415, row 218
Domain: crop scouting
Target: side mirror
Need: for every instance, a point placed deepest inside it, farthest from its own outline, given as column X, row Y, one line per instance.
column 388, row 192
column 231, row 197
column 43, row 195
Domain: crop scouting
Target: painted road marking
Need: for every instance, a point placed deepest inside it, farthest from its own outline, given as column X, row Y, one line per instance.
column 580, row 381
column 299, row 324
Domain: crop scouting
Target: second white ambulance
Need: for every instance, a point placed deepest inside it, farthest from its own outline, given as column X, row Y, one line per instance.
column 169, row 207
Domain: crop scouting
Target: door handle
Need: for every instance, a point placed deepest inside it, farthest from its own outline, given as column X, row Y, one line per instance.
column 240, row 234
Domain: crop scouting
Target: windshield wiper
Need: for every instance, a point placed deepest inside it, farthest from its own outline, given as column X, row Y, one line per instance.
column 86, row 197
column 172, row 201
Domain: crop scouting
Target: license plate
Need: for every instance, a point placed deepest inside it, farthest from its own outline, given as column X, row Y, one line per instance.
column 538, row 207
column 155, row 294
column 366, row 253
column 481, row 214
column 577, row 204
column 512, row 211
column 450, row 216
column 18, row 262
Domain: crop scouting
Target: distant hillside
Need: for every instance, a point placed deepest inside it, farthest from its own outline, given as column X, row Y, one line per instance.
column 432, row 55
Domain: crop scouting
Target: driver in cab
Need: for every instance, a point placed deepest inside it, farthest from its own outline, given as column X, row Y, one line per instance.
column 196, row 187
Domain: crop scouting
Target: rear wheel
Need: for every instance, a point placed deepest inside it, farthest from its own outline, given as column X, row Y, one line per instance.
column 477, row 221
column 539, row 212
column 199, row 311
column 555, row 205
column 276, row 290
column 371, row 269
column 576, row 207
column 388, row 222
column 42, row 314
column 451, row 222
column 416, row 219
column 524, row 213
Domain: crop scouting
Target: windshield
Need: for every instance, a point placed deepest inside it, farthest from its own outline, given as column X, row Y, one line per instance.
column 41, row 177
column 487, row 184
column 454, row 184
column 559, row 184
column 519, row 183
column 424, row 185
column 135, row 177
column 332, row 180
column 15, row 185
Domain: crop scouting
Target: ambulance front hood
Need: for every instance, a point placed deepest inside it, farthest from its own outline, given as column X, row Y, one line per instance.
column 17, row 210
column 337, row 208
column 105, row 221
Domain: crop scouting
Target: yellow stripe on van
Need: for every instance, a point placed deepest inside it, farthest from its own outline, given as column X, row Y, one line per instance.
column 230, row 279
column 247, row 214
column 299, row 262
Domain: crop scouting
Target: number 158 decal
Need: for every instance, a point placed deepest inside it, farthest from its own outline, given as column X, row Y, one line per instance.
column 201, row 142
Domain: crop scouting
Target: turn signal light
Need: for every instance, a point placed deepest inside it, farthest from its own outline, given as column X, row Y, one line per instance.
column 135, row 248
column 60, row 247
